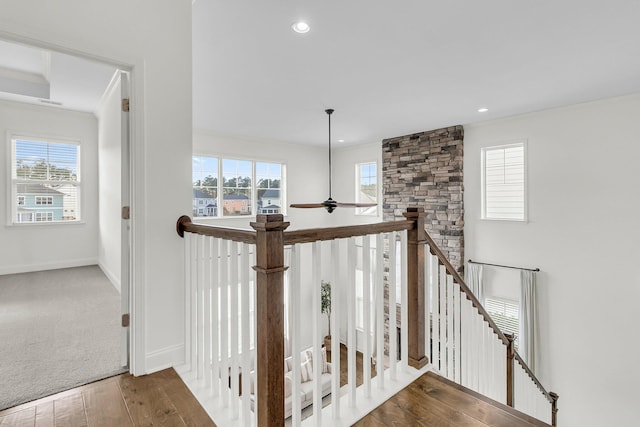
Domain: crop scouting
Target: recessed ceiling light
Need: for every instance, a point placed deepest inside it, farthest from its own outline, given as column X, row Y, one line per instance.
column 341, row 140
column 300, row 27
column 483, row 110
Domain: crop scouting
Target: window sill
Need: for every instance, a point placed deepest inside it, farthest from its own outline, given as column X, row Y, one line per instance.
column 18, row 225
column 509, row 220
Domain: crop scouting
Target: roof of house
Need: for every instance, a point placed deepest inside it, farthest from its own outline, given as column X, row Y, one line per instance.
column 235, row 197
column 271, row 207
column 274, row 194
column 36, row 189
column 199, row 194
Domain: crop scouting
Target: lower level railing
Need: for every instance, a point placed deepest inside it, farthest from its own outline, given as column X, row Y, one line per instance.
column 254, row 301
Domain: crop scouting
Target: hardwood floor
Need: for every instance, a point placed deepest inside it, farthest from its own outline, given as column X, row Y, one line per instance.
column 435, row 401
column 162, row 399
column 159, row 399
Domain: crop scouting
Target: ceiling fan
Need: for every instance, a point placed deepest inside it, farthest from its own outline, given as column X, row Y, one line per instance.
column 330, row 205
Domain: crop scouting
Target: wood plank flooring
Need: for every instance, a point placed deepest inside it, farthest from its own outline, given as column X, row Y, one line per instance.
column 159, row 399
column 432, row 400
column 162, row 399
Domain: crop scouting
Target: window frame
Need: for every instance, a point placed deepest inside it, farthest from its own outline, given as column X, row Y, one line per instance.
column 362, row 211
column 254, row 189
column 483, row 181
column 13, row 181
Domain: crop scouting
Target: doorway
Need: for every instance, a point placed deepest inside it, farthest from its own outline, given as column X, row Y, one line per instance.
column 64, row 257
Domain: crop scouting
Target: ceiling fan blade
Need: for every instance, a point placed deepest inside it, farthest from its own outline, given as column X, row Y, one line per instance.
column 356, row 205
column 306, row 205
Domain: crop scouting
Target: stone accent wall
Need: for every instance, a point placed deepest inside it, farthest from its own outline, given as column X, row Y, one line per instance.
column 425, row 170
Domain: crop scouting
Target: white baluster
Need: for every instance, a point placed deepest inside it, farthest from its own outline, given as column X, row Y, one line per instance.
column 393, row 321
column 435, row 312
column 245, row 328
column 366, row 304
column 379, row 314
column 215, row 315
column 450, row 322
column 194, row 302
column 233, row 312
column 456, row 332
column 317, row 331
column 443, row 320
column 351, row 320
column 295, row 334
column 404, row 308
column 224, row 321
column 335, row 330
column 187, row 298
column 207, row 311
column 200, row 308
column 427, row 303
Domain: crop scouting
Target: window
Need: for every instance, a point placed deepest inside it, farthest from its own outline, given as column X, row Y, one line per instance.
column 44, row 200
column 45, row 174
column 248, row 187
column 367, row 187
column 503, row 182
column 44, row 216
column 506, row 314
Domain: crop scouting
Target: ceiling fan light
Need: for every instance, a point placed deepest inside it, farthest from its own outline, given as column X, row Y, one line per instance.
column 300, row 27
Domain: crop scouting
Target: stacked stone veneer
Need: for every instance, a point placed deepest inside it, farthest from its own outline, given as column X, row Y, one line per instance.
column 425, row 170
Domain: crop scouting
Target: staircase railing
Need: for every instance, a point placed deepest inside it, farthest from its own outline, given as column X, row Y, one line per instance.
column 469, row 348
column 243, row 288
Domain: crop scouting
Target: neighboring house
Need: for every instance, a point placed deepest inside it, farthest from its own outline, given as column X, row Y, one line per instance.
column 236, row 203
column 204, row 204
column 38, row 203
column 269, row 202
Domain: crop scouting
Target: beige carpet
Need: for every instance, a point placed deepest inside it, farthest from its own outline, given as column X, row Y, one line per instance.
column 58, row 329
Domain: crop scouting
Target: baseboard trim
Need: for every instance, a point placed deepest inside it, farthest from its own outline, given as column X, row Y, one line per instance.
column 28, row 268
column 115, row 280
column 164, row 358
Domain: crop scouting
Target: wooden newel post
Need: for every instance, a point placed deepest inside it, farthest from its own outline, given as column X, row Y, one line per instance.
column 510, row 361
column 270, row 311
column 416, row 240
column 554, row 408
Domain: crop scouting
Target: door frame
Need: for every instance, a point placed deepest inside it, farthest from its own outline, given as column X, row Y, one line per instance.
column 135, row 335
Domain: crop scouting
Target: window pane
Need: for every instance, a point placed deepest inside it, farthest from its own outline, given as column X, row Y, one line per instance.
column 268, row 179
column 46, row 178
column 46, row 161
column 236, row 184
column 505, row 314
column 504, row 182
column 367, row 188
column 205, row 186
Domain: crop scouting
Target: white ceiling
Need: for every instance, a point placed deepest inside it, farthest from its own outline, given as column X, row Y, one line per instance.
column 391, row 68
column 75, row 83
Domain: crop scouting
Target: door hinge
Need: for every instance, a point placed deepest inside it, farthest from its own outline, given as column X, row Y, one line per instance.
column 125, row 320
column 126, row 211
column 125, row 105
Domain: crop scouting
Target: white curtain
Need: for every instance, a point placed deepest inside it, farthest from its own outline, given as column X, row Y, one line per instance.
column 528, row 318
column 474, row 280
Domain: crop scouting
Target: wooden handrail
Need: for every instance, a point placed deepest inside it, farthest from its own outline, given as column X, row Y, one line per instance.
column 315, row 234
column 533, row 377
column 442, row 259
column 184, row 224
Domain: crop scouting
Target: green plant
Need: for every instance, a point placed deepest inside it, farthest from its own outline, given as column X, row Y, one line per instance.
column 325, row 301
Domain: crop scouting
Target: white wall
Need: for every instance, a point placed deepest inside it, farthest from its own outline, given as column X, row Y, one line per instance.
column 154, row 38
column 67, row 245
column 583, row 179
column 109, row 179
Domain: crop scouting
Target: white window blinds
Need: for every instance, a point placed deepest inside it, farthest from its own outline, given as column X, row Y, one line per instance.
column 503, row 182
column 506, row 315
